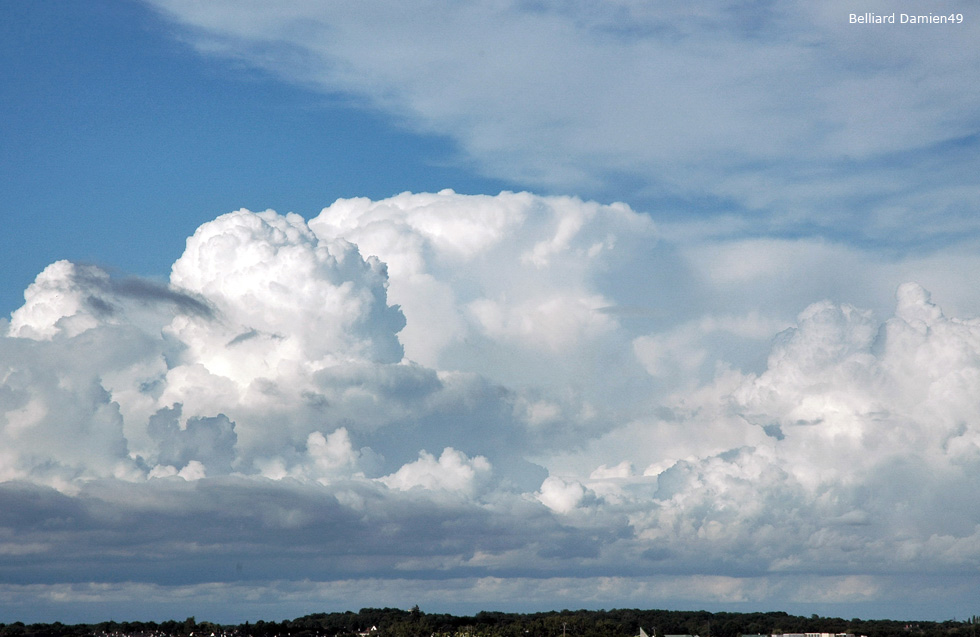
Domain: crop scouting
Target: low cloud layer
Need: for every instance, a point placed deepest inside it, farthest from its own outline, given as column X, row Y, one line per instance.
column 531, row 400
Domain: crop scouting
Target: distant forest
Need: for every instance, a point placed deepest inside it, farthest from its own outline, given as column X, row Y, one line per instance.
column 393, row 622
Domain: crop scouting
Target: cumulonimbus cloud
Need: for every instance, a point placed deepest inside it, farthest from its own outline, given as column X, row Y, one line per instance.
column 510, row 379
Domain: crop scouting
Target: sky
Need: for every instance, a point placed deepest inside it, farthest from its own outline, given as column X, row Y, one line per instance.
column 502, row 305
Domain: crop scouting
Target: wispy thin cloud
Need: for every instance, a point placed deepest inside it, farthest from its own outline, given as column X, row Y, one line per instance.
column 785, row 112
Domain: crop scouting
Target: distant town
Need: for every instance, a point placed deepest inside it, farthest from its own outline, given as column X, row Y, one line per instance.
column 802, row 635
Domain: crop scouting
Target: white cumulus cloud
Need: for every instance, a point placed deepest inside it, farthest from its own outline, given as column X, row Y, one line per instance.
column 291, row 383
column 452, row 472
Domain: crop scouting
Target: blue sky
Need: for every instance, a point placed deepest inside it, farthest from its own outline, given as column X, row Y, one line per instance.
column 119, row 141
column 499, row 305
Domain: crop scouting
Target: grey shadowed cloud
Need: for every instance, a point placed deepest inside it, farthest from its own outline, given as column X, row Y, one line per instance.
column 449, row 402
column 137, row 289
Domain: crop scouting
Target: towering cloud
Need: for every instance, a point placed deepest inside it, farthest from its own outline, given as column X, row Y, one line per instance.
column 515, row 282
column 515, row 389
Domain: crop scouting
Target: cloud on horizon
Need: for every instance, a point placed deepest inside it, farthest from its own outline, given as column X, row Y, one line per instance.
column 516, row 396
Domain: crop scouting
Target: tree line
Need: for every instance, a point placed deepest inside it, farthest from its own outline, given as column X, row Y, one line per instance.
column 393, row 622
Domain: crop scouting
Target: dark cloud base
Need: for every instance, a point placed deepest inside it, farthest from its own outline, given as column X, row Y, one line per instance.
column 430, row 395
